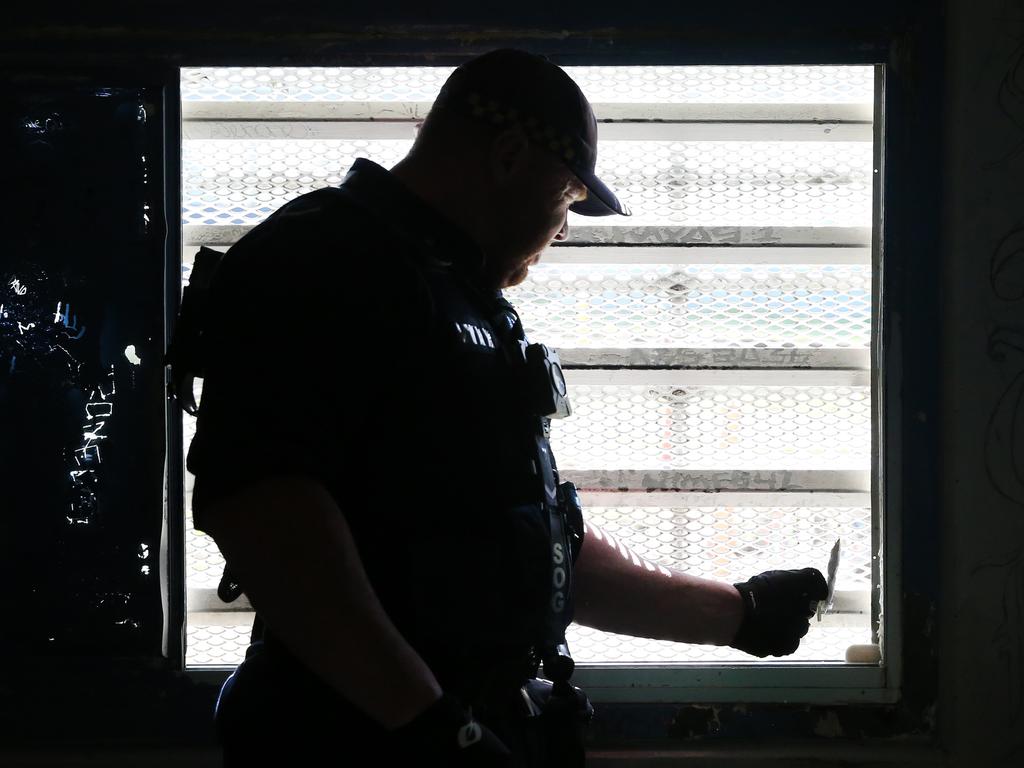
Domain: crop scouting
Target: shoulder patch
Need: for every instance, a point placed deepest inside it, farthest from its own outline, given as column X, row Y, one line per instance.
column 476, row 335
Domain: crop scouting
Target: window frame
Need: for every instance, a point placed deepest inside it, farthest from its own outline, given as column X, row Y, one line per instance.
column 811, row 682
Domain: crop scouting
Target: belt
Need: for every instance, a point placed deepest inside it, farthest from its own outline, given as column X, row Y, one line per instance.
column 473, row 679
column 476, row 681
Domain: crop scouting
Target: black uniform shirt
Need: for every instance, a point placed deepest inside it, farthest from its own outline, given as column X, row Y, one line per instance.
column 347, row 343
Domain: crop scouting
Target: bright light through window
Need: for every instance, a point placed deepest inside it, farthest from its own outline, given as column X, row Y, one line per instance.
column 717, row 342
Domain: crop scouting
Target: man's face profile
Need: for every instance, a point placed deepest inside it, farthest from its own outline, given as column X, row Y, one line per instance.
column 531, row 209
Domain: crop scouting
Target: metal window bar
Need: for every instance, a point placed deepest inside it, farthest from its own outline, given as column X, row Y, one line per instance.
column 811, row 239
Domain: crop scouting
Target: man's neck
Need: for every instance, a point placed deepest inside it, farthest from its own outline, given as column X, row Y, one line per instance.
column 433, row 186
column 446, row 192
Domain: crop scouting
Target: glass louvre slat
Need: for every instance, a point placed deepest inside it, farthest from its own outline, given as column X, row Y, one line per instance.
column 592, row 646
column 726, row 85
column 243, row 182
column 205, row 562
column 219, row 644
column 291, row 84
column 732, row 183
column 663, row 85
column 706, row 183
column 697, row 305
column 733, row 543
column 714, row 428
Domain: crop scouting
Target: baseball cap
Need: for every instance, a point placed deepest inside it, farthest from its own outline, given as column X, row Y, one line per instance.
column 508, row 86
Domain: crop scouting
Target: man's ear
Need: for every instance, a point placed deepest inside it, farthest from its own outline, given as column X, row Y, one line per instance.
column 509, row 155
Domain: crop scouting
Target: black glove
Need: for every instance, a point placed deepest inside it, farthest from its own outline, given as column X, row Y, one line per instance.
column 776, row 607
column 445, row 734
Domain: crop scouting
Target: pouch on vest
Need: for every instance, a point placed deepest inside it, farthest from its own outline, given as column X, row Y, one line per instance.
column 186, row 357
column 565, row 713
column 186, row 352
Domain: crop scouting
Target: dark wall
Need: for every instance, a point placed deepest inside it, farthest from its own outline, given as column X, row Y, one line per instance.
column 81, row 403
column 81, row 284
column 316, row 30
column 89, row 131
column 983, row 489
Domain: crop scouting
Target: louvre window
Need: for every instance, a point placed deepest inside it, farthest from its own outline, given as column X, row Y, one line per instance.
column 718, row 343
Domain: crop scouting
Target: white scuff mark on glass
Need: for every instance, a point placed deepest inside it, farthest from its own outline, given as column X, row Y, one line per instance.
column 44, row 125
column 37, row 334
column 143, row 551
column 86, row 456
column 84, row 474
column 133, row 358
column 71, row 358
column 142, row 116
column 68, row 320
column 98, row 410
column 145, row 570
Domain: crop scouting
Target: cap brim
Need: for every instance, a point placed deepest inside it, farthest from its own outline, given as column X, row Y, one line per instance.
column 600, row 200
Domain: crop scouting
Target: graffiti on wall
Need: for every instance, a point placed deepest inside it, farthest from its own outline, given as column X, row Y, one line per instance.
column 998, row 582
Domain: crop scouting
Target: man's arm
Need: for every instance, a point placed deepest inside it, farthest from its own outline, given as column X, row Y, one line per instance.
column 618, row 591
column 290, row 547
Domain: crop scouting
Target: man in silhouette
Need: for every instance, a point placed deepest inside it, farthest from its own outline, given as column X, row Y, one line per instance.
column 371, row 455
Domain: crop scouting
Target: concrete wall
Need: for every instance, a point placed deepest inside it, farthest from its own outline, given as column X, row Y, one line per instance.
column 982, row 704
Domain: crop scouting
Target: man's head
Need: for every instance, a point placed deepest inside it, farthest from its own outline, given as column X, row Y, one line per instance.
column 509, row 148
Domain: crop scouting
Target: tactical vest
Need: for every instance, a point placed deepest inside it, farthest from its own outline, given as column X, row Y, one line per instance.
column 494, row 569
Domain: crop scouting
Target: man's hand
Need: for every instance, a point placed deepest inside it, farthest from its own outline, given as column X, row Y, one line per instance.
column 445, row 734
column 289, row 543
column 777, row 605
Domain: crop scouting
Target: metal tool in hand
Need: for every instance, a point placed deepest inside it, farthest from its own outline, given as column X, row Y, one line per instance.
column 824, row 606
